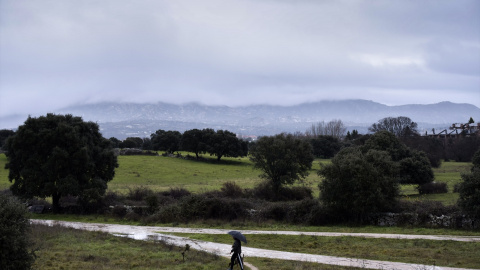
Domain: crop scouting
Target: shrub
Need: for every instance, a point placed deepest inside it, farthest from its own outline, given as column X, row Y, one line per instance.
column 433, row 188
column 139, row 193
column 355, row 185
column 424, row 209
column 265, row 191
column 469, row 190
column 277, row 211
column 119, row 211
column 170, row 213
column 176, row 193
column 15, row 243
column 232, row 190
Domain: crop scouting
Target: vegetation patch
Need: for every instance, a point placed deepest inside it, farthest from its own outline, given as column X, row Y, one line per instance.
column 66, row 248
column 441, row 253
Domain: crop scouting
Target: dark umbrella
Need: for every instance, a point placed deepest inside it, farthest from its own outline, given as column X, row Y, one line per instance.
column 238, row 235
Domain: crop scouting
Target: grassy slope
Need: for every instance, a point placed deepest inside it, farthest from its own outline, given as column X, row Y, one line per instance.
column 162, row 173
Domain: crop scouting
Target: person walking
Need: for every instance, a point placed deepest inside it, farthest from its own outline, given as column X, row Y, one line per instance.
column 236, row 249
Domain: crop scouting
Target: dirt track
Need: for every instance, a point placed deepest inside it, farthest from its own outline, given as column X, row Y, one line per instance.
column 148, row 232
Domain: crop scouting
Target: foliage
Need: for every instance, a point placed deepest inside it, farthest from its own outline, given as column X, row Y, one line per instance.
column 357, row 184
column 325, row 146
column 433, row 188
column 469, row 189
column 462, row 148
column 400, row 126
column 168, row 141
column 265, row 191
column 433, row 148
column 196, row 140
column 4, row 134
column 413, row 166
column 59, row 155
column 131, row 142
column 415, row 169
column 282, row 158
column 15, row 242
column 224, row 143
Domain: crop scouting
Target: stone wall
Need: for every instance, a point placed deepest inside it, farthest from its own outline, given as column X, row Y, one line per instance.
column 443, row 221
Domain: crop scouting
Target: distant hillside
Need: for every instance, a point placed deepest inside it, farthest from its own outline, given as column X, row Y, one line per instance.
column 121, row 120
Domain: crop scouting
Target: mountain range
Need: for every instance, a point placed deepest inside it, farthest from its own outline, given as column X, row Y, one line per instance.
column 123, row 120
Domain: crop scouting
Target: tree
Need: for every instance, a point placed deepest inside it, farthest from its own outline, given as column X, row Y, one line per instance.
column 59, row 155
column 400, row 126
column 115, row 142
column 416, row 169
column 413, row 167
column 282, row 158
column 357, row 184
column 334, row 128
column 4, row 134
column 325, row 146
column 132, row 142
column 225, row 143
column 353, row 135
column 469, row 189
column 196, row 141
column 168, row 141
column 15, row 242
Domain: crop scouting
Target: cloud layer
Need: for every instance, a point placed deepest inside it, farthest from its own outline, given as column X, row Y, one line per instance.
column 237, row 52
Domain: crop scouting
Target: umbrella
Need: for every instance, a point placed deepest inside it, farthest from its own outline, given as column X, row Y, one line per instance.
column 238, row 235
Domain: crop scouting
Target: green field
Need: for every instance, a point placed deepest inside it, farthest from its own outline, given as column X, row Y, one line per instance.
column 162, row 173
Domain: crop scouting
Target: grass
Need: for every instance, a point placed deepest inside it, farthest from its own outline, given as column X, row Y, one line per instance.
column 65, row 248
column 97, row 250
column 442, row 253
column 162, row 173
column 266, row 226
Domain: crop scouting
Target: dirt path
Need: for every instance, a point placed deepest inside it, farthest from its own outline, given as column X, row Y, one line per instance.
column 148, row 232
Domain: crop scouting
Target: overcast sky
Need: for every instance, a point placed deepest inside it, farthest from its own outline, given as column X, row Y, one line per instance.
column 226, row 52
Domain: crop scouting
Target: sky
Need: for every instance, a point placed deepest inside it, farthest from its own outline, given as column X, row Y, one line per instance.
column 57, row 53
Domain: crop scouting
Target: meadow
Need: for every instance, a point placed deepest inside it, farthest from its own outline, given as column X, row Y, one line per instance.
column 101, row 251
column 161, row 173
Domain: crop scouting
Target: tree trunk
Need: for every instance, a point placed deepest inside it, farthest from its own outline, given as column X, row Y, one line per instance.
column 56, row 202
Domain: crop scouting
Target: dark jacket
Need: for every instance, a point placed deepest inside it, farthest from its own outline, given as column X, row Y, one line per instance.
column 237, row 246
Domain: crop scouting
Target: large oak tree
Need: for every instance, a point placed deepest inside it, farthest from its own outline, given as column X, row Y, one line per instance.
column 59, row 155
column 282, row 158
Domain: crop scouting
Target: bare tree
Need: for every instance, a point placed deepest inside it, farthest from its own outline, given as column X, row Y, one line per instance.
column 400, row 126
column 334, row 128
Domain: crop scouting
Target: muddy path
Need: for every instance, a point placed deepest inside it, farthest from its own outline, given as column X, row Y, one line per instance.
column 151, row 232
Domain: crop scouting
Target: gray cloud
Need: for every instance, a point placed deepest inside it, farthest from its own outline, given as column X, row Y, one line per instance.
column 57, row 53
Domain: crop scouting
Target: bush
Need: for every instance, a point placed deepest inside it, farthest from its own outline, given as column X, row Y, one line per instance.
column 232, row 190
column 423, row 209
column 265, row 191
column 469, row 190
column 202, row 207
column 433, row 188
column 176, row 193
column 139, row 193
column 15, row 243
column 356, row 185
column 277, row 211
